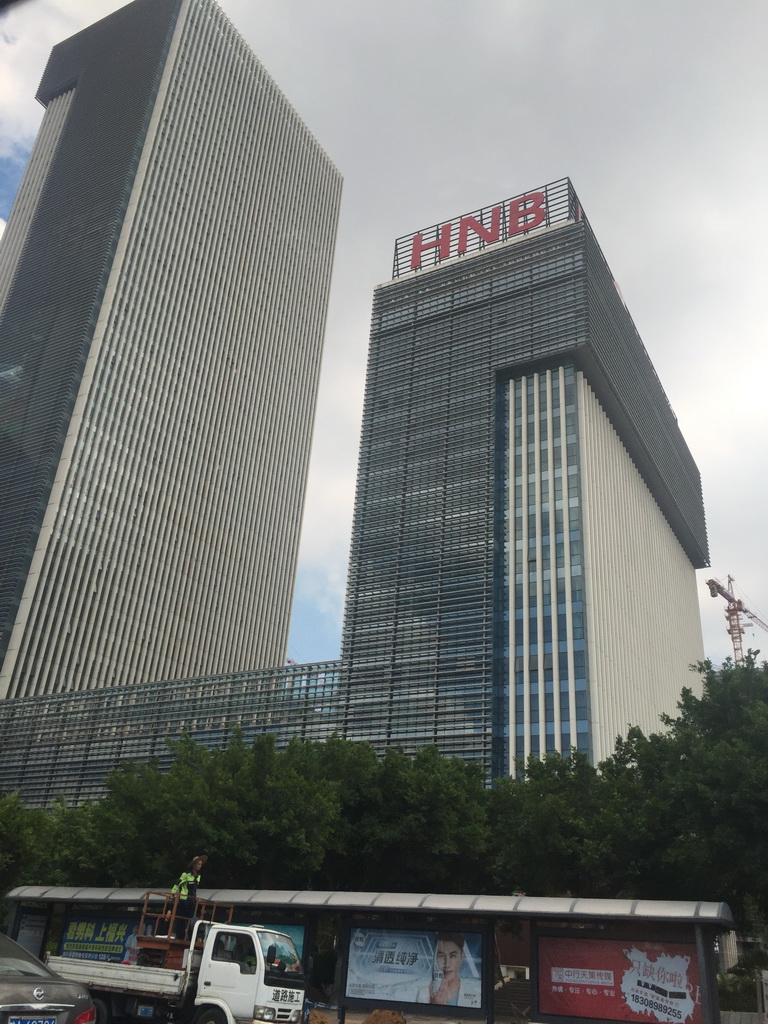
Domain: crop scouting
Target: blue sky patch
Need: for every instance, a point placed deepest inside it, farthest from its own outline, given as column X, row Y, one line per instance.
column 11, row 170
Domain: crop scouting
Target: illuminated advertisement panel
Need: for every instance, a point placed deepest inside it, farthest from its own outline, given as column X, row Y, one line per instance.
column 618, row 980
column 410, row 966
column 99, row 938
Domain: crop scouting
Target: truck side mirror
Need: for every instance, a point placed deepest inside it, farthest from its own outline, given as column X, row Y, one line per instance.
column 271, row 953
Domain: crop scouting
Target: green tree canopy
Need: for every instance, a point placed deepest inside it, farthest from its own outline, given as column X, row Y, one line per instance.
column 679, row 814
column 701, row 790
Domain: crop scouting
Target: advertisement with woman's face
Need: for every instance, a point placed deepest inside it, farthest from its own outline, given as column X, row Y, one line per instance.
column 403, row 966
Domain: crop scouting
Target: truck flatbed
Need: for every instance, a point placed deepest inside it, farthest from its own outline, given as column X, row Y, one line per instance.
column 156, row 981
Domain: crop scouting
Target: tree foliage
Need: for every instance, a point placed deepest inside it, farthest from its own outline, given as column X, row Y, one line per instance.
column 679, row 814
column 702, row 792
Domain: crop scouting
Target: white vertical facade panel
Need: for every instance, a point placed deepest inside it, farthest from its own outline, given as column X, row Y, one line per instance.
column 170, row 541
column 642, row 612
column 30, row 187
column 603, row 611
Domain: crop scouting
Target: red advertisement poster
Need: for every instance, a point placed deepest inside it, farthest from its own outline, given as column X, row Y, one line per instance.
column 610, row 979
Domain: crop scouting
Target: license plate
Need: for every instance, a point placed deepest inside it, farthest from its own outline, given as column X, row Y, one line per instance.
column 31, row 1020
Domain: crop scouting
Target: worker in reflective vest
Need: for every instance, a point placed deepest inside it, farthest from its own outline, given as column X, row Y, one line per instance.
column 186, row 890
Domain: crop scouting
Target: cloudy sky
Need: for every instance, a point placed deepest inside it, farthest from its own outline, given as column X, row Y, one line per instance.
column 656, row 109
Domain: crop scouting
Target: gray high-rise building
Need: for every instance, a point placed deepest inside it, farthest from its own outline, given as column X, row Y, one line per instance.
column 528, row 516
column 163, row 287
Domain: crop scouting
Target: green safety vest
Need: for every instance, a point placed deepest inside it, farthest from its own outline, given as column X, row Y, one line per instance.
column 182, row 886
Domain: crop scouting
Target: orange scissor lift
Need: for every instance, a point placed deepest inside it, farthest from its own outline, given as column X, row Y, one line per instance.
column 160, row 920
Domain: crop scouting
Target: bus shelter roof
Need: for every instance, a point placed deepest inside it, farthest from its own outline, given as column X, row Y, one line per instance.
column 716, row 915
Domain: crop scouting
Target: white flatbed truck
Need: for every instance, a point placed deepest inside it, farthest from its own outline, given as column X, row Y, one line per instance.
column 236, row 974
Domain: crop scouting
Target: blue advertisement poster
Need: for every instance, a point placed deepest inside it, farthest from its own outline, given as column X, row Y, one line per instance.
column 404, row 966
column 99, row 938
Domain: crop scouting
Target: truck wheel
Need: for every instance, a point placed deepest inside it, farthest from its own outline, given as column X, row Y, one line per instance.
column 103, row 1016
column 207, row 1015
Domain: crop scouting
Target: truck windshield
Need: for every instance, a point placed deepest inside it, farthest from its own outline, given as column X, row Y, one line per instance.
column 286, row 958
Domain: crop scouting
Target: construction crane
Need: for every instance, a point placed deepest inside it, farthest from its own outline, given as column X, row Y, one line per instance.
column 733, row 613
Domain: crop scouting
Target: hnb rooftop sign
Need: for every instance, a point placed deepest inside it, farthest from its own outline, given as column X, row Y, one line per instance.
column 474, row 231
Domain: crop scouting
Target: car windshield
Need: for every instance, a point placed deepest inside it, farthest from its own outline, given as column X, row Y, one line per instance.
column 15, row 961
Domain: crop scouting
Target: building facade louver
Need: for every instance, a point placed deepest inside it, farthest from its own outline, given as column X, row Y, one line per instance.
column 163, row 287
column 523, row 487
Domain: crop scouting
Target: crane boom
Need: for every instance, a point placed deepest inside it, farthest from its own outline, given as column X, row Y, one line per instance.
column 736, row 608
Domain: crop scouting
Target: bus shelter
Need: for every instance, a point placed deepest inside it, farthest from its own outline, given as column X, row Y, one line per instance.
column 439, row 957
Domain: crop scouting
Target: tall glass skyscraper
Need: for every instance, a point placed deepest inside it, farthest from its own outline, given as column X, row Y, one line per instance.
column 163, row 286
column 528, row 516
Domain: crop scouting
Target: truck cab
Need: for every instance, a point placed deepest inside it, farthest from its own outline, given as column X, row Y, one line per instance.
column 251, row 974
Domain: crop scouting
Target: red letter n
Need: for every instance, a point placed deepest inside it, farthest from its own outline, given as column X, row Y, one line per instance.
column 532, row 206
column 442, row 243
column 491, row 234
